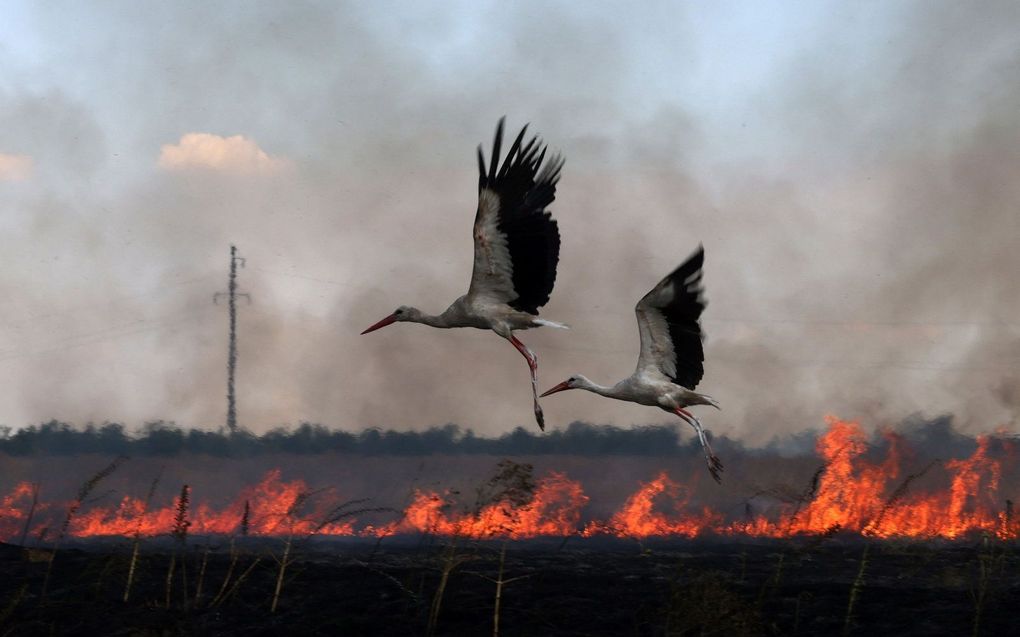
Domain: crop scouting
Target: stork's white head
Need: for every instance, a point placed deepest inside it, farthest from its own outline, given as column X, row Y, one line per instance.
column 576, row 381
column 402, row 313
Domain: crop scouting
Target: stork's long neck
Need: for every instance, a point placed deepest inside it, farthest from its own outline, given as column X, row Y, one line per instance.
column 601, row 390
column 432, row 320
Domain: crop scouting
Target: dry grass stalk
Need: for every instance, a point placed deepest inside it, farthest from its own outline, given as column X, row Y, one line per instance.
column 789, row 495
column 991, row 561
column 31, row 513
column 136, row 544
column 169, row 578
column 1007, row 530
column 872, row 527
column 500, row 582
column 83, row 492
column 414, row 597
column 237, row 582
column 180, row 534
column 499, row 590
column 769, row 587
column 981, row 594
column 334, row 515
column 284, row 561
column 13, row 604
column 855, row 591
column 201, row 573
column 243, row 529
column 796, row 611
column 450, row 561
column 807, row 495
column 513, row 486
column 342, row 511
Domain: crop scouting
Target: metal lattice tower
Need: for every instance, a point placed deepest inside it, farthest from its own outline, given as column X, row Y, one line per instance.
column 232, row 295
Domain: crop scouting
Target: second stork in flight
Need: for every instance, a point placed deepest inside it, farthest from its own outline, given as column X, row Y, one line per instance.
column 671, row 362
column 517, row 247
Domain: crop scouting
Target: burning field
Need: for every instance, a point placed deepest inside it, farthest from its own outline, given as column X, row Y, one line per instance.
column 849, row 492
column 859, row 536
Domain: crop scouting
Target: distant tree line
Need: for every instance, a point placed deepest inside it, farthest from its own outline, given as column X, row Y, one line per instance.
column 928, row 437
column 167, row 439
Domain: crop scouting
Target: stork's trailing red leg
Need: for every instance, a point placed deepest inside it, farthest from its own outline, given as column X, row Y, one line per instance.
column 533, row 366
column 715, row 465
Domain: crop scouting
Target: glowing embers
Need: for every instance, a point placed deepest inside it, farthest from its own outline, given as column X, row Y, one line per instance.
column 851, row 493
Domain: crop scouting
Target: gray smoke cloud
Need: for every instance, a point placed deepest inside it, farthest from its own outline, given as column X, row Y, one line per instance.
column 856, row 203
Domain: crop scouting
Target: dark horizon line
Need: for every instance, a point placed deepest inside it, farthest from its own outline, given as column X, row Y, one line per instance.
column 166, row 438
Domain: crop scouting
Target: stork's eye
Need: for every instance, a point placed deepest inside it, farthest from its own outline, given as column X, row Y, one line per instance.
column 399, row 312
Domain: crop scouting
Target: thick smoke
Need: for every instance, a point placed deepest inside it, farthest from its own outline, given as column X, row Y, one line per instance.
column 857, row 209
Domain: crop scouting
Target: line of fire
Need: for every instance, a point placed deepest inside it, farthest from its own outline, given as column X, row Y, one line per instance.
column 850, row 493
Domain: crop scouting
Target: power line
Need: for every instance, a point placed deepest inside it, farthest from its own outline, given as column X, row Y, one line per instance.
column 918, row 366
column 101, row 336
column 603, row 315
column 304, row 277
column 617, row 315
column 32, row 319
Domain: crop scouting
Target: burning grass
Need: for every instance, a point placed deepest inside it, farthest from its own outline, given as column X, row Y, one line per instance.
column 856, row 490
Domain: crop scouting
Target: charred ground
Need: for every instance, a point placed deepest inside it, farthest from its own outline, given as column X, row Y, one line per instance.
column 578, row 587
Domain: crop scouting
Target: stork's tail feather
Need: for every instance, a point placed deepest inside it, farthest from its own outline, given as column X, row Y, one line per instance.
column 710, row 401
column 562, row 326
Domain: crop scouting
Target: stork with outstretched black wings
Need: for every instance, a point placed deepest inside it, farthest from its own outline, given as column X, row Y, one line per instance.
column 671, row 362
column 516, row 249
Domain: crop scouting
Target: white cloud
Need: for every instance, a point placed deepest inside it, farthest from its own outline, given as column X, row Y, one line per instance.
column 15, row 167
column 236, row 154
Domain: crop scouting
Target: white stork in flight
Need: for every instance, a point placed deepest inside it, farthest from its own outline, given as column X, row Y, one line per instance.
column 670, row 364
column 517, row 246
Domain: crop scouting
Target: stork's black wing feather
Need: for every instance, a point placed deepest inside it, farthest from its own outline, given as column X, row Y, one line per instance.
column 524, row 188
column 677, row 300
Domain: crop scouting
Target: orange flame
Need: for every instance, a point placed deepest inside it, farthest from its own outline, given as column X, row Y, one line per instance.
column 853, row 494
column 14, row 510
column 271, row 503
column 554, row 510
column 857, row 496
column 638, row 518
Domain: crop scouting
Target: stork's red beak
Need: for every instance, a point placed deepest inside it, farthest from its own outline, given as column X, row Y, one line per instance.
column 392, row 318
column 562, row 386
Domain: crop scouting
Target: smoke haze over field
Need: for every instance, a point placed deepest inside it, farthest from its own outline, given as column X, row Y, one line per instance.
column 849, row 168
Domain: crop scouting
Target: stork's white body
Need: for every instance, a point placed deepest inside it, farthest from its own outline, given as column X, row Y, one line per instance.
column 653, row 390
column 498, row 317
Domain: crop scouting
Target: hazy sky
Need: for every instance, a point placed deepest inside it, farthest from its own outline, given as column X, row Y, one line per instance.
column 851, row 169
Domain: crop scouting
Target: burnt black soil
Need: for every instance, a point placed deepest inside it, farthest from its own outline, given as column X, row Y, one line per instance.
column 588, row 587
